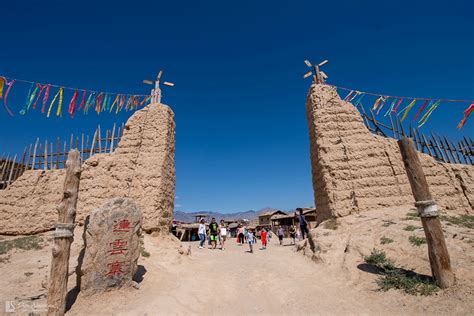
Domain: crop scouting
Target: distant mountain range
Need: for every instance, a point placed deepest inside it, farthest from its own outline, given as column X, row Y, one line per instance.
column 189, row 217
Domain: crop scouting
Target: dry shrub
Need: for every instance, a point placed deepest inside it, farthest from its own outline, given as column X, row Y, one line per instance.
column 385, row 240
column 398, row 278
column 417, row 241
column 24, row 243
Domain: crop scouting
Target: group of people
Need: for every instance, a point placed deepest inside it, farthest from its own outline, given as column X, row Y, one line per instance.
column 246, row 235
column 216, row 233
column 294, row 234
column 219, row 232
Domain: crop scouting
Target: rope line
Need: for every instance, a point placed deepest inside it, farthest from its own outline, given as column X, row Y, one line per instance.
column 399, row 97
column 70, row 88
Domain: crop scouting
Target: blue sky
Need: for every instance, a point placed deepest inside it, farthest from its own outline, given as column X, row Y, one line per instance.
column 242, row 138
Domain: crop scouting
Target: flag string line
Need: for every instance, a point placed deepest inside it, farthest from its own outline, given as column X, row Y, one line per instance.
column 72, row 89
column 399, row 97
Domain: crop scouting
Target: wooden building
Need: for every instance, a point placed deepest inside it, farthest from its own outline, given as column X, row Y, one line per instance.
column 264, row 219
column 287, row 220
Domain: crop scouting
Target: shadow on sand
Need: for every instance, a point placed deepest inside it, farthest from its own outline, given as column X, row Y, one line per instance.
column 141, row 271
column 369, row 268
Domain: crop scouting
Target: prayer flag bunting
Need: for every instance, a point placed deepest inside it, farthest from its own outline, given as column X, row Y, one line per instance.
column 407, row 109
column 428, row 113
column 10, row 85
column 467, row 113
column 98, row 101
column 2, row 82
column 421, row 109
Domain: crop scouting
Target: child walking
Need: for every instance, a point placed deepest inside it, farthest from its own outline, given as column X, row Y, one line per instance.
column 250, row 240
column 263, row 238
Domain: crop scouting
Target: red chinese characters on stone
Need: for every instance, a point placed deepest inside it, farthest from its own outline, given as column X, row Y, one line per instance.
column 115, row 269
column 122, row 226
column 118, row 247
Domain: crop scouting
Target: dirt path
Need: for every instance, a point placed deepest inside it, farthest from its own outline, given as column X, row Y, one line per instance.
column 275, row 281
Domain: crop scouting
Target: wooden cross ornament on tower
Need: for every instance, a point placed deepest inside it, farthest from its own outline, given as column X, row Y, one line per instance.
column 156, row 93
column 318, row 75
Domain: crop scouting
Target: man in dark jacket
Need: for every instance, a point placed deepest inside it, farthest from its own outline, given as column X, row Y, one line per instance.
column 303, row 223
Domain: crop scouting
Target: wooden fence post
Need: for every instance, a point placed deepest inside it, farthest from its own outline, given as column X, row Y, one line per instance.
column 427, row 210
column 63, row 236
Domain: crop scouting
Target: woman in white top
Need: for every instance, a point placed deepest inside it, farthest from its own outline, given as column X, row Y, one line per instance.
column 223, row 233
column 202, row 233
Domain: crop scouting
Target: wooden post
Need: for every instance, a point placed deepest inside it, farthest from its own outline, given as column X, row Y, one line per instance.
column 3, row 162
column 82, row 147
column 40, row 156
column 19, row 170
column 364, row 117
column 93, row 144
column 106, row 141
column 63, row 159
column 427, row 210
column 465, row 154
column 33, row 161
column 51, row 155
column 11, row 171
column 468, row 148
column 58, row 149
column 46, row 155
column 427, row 145
column 393, row 129
column 112, row 140
column 87, row 148
column 27, row 164
column 99, row 141
column 4, row 168
column 63, row 236
column 448, row 149
column 439, row 148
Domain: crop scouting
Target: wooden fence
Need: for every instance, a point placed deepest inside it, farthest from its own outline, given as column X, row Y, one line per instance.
column 53, row 155
column 439, row 147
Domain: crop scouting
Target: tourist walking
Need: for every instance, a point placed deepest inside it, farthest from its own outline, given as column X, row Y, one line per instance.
column 281, row 234
column 240, row 235
column 223, row 234
column 214, row 232
column 298, row 234
column 202, row 233
column 174, row 228
column 303, row 224
column 263, row 238
column 293, row 234
column 269, row 235
column 250, row 239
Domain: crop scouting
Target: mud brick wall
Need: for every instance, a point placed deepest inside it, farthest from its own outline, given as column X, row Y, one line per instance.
column 354, row 170
column 141, row 168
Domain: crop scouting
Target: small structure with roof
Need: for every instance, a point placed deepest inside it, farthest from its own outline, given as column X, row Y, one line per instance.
column 198, row 217
column 264, row 219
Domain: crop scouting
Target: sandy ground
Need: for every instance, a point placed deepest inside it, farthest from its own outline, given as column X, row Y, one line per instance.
column 276, row 281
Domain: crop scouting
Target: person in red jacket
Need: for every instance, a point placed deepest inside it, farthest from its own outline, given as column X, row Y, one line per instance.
column 263, row 238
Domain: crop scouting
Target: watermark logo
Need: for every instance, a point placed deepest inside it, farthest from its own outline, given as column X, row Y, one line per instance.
column 24, row 307
column 9, row 307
